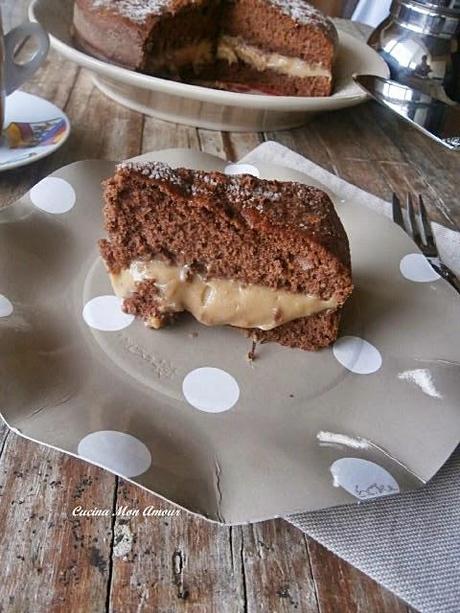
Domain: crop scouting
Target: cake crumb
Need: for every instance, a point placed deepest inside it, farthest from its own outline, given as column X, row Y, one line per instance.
column 252, row 352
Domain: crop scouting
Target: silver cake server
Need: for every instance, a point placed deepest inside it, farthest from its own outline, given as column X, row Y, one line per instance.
column 437, row 119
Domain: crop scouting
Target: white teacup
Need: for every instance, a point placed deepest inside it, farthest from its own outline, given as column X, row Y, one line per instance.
column 13, row 75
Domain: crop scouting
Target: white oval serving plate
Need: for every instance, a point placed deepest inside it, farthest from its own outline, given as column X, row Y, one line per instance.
column 202, row 106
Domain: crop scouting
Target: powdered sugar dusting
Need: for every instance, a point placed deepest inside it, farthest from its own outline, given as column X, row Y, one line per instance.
column 136, row 10
column 156, row 171
column 139, row 10
column 304, row 13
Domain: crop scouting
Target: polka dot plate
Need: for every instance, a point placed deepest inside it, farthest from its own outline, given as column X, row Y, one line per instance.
column 181, row 411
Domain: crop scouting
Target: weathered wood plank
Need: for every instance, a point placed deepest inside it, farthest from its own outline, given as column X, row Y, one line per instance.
column 239, row 144
column 214, row 143
column 172, row 564
column 54, row 80
column 159, row 134
column 4, row 433
column 350, row 142
column 344, row 589
column 404, row 178
column 102, row 129
column 275, row 581
column 228, row 146
column 50, row 559
column 365, row 174
column 306, row 141
column 374, row 142
column 206, row 567
column 435, row 164
column 350, row 160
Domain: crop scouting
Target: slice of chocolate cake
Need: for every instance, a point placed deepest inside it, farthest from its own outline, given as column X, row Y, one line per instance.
column 283, row 47
column 270, row 257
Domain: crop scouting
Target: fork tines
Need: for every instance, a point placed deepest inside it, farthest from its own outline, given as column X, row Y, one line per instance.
column 397, row 212
column 413, row 220
column 418, row 220
column 429, row 236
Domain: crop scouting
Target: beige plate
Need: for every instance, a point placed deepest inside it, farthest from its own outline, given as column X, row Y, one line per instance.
column 204, row 107
column 302, row 422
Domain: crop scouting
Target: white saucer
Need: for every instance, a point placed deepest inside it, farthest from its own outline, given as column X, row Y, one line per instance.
column 22, row 107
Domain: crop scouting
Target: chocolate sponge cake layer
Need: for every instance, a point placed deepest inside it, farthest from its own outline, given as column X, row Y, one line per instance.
column 231, row 238
column 309, row 333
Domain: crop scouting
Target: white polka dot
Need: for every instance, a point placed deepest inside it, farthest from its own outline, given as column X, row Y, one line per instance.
column 242, row 169
column 53, row 195
column 416, row 267
column 210, row 389
column 357, row 355
column 119, row 452
column 6, row 308
column 363, row 479
column 105, row 313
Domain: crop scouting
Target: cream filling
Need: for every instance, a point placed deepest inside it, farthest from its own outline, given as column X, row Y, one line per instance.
column 195, row 54
column 232, row 49
column 216, row 302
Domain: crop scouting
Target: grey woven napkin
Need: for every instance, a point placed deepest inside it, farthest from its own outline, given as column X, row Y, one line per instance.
column 410, row 542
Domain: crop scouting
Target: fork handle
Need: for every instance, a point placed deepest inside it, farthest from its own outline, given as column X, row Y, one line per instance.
column 448, row 275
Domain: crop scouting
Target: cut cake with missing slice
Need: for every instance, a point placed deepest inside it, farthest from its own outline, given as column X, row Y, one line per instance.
column 267, row 256
column 283, row 47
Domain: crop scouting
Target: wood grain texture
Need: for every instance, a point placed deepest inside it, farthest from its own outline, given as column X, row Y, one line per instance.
column 276, row 581
column 341, row 588
column 52, row 561
column 174, row 564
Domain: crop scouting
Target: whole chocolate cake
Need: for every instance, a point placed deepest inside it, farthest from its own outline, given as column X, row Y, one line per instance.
column 275, row 46
column 267, row 256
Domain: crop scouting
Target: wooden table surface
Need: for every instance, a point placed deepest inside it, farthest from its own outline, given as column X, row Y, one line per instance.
column 52, row 561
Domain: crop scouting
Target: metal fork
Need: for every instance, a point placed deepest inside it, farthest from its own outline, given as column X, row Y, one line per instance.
column 418, row 219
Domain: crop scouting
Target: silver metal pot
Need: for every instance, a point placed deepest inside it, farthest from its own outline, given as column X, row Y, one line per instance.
column 420, row 41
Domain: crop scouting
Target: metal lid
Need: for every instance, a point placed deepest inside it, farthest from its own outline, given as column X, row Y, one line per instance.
column 407, row 10
column 445, row 4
